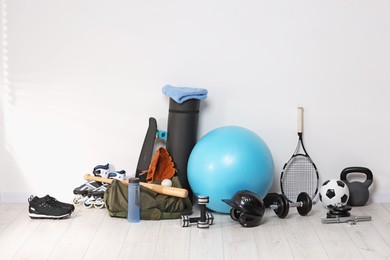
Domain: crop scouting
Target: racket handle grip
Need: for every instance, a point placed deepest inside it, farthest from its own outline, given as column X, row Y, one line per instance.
column 300, row 120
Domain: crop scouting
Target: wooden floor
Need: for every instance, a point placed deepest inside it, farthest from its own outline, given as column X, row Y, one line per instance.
column 93, row 234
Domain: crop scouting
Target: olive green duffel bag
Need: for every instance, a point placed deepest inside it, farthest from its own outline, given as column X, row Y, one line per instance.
column 154, row 206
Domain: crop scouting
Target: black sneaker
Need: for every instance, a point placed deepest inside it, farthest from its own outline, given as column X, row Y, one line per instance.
column 59, row 203
column 44, row 208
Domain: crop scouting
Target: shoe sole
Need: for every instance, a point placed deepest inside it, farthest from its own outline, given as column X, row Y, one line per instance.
column 39, row 216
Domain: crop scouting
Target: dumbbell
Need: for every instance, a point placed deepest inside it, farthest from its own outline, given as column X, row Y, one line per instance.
column 280, row 204
column 205, row 220
column 186, row 221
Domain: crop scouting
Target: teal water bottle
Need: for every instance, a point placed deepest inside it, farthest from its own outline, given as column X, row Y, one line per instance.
column 133, row 202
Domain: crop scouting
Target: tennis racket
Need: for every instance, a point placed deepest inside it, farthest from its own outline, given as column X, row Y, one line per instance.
column 300, row 173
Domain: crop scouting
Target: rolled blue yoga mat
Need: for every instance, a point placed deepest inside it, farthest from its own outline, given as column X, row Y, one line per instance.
column 183, row 120
column 182, row 136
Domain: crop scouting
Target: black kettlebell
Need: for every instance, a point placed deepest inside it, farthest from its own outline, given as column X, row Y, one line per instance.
column 358, row 191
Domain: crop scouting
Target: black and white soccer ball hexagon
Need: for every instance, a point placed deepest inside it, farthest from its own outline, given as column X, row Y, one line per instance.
column 334, row 193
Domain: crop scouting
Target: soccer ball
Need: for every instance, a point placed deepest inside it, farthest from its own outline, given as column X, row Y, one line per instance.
column 334, row 193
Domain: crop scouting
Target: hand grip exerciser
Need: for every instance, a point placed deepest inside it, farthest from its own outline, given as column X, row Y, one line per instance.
column 171, row 191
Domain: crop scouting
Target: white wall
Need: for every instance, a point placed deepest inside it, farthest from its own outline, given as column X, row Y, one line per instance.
column 2, row 151
column 82, row 78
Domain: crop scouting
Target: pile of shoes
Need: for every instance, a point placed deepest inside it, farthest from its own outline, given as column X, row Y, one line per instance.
column 48, row 208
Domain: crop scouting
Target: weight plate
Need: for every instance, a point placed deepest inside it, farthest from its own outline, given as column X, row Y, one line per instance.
column 280, row 201
column 283, row 206
column 306, row 203
column 209, row 218
column 270, row 198
column 185, row 220
column 203, row 224
column 203, row 200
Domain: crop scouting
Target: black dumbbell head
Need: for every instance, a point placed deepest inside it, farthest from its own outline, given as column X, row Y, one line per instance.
column 280, row 201
column 203, row 200
column 307, row 204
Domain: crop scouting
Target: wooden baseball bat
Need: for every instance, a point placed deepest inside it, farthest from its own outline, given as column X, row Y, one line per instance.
column 171, row 191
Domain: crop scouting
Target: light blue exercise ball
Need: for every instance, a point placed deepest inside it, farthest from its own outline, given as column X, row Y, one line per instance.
column 226, row 160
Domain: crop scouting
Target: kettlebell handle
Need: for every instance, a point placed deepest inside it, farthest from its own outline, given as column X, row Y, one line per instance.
column 366, row 171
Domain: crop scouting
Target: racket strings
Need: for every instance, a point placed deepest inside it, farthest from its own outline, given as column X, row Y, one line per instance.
column 299, row 175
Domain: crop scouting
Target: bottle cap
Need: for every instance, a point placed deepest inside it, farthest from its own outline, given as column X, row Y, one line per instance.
column 134, row 180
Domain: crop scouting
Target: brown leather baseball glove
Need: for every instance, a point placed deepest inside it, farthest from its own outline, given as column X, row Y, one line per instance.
column 161, row 166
